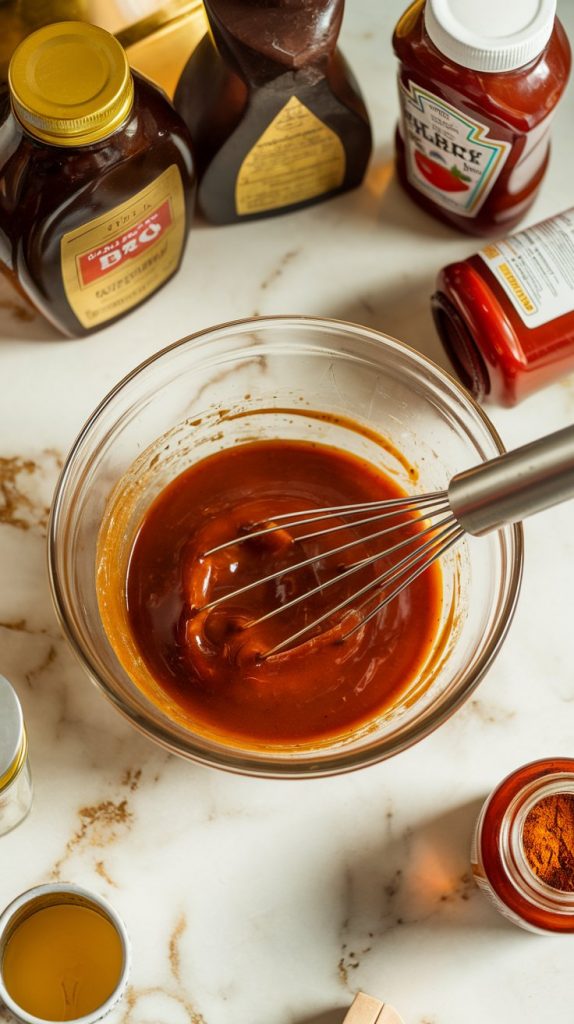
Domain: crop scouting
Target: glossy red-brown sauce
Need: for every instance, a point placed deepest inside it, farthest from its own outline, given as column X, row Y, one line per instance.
column 212, row 663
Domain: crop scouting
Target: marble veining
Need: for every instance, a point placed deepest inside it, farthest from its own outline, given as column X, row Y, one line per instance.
column 258, row 902
column 23, row 487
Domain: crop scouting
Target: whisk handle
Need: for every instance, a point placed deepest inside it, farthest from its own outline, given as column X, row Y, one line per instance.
column 514, row 486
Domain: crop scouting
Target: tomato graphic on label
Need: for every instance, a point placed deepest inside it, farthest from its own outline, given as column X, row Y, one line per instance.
column 447, row 179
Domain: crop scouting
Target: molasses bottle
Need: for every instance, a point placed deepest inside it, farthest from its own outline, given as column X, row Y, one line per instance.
column 275, row 115
column 97, row 178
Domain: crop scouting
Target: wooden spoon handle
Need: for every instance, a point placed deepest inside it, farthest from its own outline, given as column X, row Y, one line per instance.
column 365, row 1010
column 368, row 1010
column 389, row 1016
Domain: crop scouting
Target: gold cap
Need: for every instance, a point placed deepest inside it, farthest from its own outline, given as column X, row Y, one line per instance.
column 70, row 84
column 17, row 764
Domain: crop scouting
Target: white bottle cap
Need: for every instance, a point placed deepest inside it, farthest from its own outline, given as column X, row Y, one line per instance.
column 490, row 35
column 12, row 735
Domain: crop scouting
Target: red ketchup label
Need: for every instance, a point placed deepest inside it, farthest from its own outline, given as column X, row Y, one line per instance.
column 127, row 245
column 450, row 156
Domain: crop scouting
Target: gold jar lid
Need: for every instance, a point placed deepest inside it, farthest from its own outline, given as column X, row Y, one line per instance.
column 70, row 84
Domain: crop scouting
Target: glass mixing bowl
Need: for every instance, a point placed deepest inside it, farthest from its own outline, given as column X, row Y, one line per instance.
column 265, row 378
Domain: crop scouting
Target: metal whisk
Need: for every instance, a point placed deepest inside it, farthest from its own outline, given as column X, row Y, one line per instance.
column 503, row 490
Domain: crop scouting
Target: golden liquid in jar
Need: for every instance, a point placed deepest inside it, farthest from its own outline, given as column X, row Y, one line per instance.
column 62, row 962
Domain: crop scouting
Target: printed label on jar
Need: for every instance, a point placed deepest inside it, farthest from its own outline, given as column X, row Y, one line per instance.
column 115, row 261
column 450, row 157
column 536, row 269
column 297, row 158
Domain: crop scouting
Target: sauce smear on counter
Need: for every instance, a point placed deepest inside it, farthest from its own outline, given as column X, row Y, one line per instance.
column 212, row 663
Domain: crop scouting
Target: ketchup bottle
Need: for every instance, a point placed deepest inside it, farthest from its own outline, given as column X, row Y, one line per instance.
column 506, row 315
column 479, row 81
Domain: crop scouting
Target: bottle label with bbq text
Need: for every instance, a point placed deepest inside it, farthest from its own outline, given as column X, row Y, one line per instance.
column 297, row 158
column 536, row 269
column 450, row 156
column 113, row 262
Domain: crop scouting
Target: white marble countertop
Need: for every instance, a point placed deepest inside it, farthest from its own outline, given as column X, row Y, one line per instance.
column 257, row 902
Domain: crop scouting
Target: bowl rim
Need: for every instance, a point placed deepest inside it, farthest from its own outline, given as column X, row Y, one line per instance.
column 246, row 762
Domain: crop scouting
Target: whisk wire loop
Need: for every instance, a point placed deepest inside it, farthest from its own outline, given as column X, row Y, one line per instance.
column 363, row 564
column 384, row 579
column 391, row 508
column 364, row 506
column 452, row 538
column 312, row 559
column 478, row 500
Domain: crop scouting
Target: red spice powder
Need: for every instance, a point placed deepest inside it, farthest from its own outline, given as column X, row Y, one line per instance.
column 548, row 841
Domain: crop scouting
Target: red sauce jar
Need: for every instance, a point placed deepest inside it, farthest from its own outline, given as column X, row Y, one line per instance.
column 499, row 857
column 506, row 315
column 478, row 85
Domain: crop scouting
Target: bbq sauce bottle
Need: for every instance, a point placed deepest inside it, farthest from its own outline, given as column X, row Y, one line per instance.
column 275, row 115
column 97, row 179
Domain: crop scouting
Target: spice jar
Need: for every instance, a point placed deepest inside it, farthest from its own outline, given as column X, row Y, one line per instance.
column 506, row 315
column 276, row 117
column 97, row 178
column 15, row 778
column 478, row 85
column 523, row 847
column 64, row 955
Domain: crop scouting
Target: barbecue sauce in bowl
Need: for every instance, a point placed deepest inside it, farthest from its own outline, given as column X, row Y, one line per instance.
column 212, row 667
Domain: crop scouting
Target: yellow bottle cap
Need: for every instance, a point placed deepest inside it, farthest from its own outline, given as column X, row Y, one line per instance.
column 70, row 84
column 13, row 741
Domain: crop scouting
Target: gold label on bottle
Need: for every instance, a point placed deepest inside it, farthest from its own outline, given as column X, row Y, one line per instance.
column 296, row 158
column 115, row 261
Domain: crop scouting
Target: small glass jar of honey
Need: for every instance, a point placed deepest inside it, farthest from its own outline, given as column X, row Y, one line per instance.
column 97, row 178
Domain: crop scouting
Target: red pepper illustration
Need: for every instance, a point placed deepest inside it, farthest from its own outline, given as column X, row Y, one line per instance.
column 444, row 178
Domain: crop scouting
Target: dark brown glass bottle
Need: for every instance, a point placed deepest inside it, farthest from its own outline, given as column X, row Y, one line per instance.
column 97, row 179
column 275, row 115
